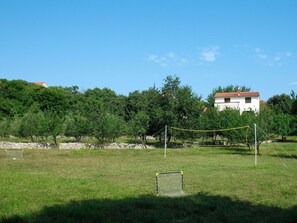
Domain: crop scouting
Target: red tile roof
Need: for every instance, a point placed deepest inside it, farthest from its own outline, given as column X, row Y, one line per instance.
column 237, row 94
column 43, row 84
column 40, row 83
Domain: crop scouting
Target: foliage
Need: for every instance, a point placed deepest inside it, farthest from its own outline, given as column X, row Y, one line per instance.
column 210, row 120
column 116, row 126
column 171, row 85
column 4, row 127
column 280, row 103
column 31, row 124
column 53, row 125
column 229, row 119
column 112, row 103
column 138, row 126
column 14, row 127
column 294, row 103
column 97, row 118
column 282, row 124
column 264, row 122
column 28, row 110
column 76, row 125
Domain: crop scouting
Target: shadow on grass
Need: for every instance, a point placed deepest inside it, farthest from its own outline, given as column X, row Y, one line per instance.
column 286, row 141
column 242, row 150
column 195, row 208
column 293, row 157
column 236, row 150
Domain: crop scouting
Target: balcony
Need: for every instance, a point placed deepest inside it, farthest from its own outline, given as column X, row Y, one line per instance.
column 222, row 106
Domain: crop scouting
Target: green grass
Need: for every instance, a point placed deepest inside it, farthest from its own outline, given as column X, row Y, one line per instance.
column 223, row 185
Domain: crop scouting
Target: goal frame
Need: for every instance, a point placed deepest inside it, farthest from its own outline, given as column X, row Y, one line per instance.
column 165, row 173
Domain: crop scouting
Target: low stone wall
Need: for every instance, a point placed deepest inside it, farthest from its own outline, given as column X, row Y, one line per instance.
column 19, row 145
column 12, row 145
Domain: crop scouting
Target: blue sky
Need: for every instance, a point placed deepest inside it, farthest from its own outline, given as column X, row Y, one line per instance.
column 134, row 44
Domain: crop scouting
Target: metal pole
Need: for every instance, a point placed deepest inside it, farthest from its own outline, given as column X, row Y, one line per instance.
column 165, row 145
column 256, row 161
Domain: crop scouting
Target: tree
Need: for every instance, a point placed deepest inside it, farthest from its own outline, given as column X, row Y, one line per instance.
column 111, row 102
column 53, row 99
column 116, row 126
column 231, row 118
column 294, row 103
column 97, row 118
column 53, row 125
column 14, row 97
column 152, row 98
column 282, row 103
column 171, row 85
column 210, row 120
column 138, row 126
column 31, row 124
column 4, row 127
column 168, row 102
column 136, row 102
column 14, row 127
column 264, row 122
column 76, row 125
column 8, row 107
column 282, row 125
column 187, row 110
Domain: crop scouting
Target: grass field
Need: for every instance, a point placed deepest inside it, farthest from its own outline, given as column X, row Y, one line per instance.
column 222, row 185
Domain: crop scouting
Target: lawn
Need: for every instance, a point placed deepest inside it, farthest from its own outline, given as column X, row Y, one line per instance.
column 222, row 185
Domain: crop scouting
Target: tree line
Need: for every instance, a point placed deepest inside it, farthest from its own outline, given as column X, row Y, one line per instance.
column 35, row 112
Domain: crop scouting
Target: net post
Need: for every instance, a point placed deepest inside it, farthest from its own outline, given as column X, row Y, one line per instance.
column 157, row 188
column 182, row 178
column 165, row 144
column 255, row 126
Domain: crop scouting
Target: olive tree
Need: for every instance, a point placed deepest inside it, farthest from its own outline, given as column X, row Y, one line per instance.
column 138, row 126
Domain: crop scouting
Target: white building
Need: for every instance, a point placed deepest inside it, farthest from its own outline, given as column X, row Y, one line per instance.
column 243, row 101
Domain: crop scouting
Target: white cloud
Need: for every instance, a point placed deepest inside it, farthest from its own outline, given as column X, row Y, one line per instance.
column 273, row 59
column 152, row 57
column 171, row 55
column 260, row 54
column 277, row 58
column 288, row 54
column 209, row 54
column 162, row 61
column 170, row 58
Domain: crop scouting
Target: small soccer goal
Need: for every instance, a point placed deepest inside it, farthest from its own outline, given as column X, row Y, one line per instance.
column 170, row 183
column 14, row 154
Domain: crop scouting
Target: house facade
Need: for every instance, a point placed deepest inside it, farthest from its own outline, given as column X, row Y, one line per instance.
column 242, row 101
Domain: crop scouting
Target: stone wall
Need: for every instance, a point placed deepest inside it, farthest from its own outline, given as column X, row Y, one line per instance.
column 12, row 145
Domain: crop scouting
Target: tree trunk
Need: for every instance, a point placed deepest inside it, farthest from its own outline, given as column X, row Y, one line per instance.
column 55, row 141
column 78, row 138
column 258, row 149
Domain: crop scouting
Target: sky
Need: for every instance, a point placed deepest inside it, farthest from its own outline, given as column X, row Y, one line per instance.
column 134, row 44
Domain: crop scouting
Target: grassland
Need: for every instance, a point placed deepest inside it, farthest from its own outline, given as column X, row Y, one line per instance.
column 222, row 183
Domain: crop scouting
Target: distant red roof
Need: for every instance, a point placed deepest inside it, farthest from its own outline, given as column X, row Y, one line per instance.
column 237, row 94
column 40, row 83
column 43, row 84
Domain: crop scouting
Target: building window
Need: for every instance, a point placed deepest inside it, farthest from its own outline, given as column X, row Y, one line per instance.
column 227, row 100
column 248, row 100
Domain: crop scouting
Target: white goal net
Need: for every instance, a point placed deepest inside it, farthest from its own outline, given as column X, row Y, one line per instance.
column 170, row 183
column 14, row 154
